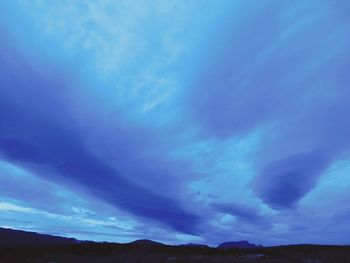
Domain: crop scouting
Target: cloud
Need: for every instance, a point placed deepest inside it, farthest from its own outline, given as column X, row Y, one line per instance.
column 282, row 183
column 286, row 80
column 245, row 214
column 13, row 208
column 150, row 112
column 37, row 130
column 21, row 151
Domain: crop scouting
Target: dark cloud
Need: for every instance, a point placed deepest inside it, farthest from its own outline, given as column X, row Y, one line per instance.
column 14, row 149
column 288, row 80
column 38, row 129
column 245, row 214
column 284, row 182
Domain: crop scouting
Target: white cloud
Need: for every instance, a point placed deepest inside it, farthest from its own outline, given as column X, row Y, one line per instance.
column 14, row 208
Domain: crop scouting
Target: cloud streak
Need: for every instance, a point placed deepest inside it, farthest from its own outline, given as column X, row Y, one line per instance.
column 34, row 134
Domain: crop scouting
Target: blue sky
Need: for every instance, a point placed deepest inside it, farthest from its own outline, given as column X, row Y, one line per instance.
column 177, row 121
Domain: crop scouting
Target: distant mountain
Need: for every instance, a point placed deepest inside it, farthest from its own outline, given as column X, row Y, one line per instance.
column 238, row 244
column 116, row 252
column 11, row 237
column 146, row 242
column 22, row 246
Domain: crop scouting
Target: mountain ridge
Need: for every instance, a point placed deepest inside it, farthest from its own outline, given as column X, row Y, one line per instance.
column 13, row 237
column 47, row 248
column 237, row 244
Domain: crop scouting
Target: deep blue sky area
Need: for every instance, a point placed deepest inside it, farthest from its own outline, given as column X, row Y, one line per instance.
column 177, row 121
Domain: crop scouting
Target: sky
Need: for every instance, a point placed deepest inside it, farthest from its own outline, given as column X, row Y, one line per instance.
column 178, row 121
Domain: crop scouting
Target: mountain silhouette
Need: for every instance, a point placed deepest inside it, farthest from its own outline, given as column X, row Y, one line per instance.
column 22, row 246
column 11, row 237
column 237, row 244
column 146, row 242
column 194, row 245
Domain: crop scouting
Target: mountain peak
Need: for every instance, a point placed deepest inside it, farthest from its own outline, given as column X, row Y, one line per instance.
column 145, row 242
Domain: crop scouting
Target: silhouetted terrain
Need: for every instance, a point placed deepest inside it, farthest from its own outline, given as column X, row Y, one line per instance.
column 147, row 251
column 237, row 244
column 10, row 237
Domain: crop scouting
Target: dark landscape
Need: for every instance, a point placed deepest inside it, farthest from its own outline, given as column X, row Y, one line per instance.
column 21, row 246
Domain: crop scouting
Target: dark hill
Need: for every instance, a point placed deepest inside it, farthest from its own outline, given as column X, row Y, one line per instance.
column 194, row 245
column 11, row 237
column 20, row 246
column 237, row 244
column 146, row 242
